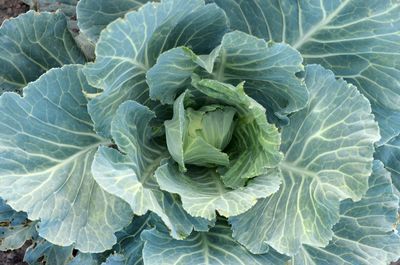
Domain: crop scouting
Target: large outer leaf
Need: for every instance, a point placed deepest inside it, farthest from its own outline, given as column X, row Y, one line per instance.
column 268, row 69
column 131, row 176
column 328, row 157
column 364, row 233
column 15, row 228
column 358, row 40
column 202, row 192
column 95, row 15
column 128, row 47
column 32, row 44
column 216, row 247
column 47, row 146
column 389, row 154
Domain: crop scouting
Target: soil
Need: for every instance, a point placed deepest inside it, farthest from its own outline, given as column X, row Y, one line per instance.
column 11, row 8
column 14, row 257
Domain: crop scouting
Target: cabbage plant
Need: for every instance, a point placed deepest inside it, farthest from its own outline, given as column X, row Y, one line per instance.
column 201, row 132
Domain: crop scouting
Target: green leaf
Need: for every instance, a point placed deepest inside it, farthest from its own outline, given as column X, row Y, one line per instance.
column 364, row 234
column 47, row 146
column 389, row 154
column 216, row 247
column 44, row 252
column 15, row 228
column 328, row 150
column 137, row 41
column 357, row 39
column 172, row 73
column 197, row 137
column 84, row 259
column 30, row 45
column 202, row 191
column 95, row 15
column 129, row 245
column 115, row 259
column 255, row 143
column 131, row 176
column 269, row 71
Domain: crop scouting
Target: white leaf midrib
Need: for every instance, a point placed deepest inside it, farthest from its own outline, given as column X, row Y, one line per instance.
column 305, row 38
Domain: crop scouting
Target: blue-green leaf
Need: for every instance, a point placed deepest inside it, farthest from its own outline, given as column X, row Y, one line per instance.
column 47, row 145
column 15, row 228
column 328, row 149
column 30, row 45
column 389, row 154
column 131, row 176
column 364, row 234
column 216, row 247
column 269, row 71
column 172, row 73
column 202, row 192
column 129, row 245
column 95, row 15
column 357, row 39
column 128, row 47
column 42, row 251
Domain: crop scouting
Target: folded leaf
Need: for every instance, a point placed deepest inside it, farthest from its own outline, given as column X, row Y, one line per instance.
column 269, row 71
column 141, row 36
column 197, row 137
column 328, row 149
column 254, row 147
column 202, row 192
column 131, row 176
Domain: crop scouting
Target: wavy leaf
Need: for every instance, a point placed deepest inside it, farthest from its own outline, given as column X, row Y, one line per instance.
column 202, row 192
column 364, row 234
column 15, row 228
column 357, row 39
column 136, row 41
column 95, row 15
column 254, row 147
column 32, row 44
column 328, row 155
column 43, row 252
column 269, row 71
column 47, row 146
column 130, row 176
column 215, row 247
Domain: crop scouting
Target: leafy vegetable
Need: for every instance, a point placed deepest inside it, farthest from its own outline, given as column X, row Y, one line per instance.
column 202, row 132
